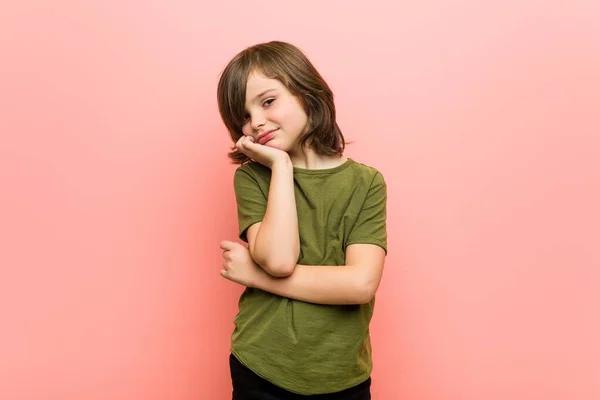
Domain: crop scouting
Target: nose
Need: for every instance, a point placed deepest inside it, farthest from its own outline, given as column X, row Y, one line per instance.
column 257, row 121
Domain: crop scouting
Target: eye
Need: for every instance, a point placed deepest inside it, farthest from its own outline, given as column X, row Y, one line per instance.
column 268, row 102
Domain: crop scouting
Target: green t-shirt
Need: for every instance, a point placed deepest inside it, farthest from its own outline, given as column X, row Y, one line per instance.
column 303, row 347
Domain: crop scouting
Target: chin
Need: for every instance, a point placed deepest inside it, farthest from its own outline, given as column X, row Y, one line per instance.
column 273, row 143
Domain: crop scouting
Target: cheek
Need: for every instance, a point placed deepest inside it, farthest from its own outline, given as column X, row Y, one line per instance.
column 246, row 130
column 301, row 120
column 298, row 114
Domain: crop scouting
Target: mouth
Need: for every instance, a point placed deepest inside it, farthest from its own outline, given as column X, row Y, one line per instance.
column 265, row 137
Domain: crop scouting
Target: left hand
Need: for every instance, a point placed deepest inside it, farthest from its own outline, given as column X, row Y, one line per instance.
column 266, row 155
column 238, row 265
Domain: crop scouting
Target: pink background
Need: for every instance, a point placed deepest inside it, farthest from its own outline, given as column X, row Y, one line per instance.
column 116, row 191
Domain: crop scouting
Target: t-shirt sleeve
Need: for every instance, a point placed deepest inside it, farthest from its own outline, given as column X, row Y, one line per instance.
column 370, row 226
column 251, row 201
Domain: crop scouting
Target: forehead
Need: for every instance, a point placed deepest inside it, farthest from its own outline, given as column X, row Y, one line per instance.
column 258, row 83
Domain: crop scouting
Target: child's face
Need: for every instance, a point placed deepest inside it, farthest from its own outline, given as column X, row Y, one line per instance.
column 274, row 116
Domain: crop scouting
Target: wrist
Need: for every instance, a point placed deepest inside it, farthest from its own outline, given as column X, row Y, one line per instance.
column 283, row 162
column 261, row 280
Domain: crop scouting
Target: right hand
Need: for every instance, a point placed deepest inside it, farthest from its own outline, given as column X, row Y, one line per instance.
column 265, row 155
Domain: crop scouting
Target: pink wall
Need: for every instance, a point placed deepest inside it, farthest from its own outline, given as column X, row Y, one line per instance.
column 116, row 191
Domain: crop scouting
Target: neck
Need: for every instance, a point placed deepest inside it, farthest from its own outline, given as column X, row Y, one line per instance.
column 309, row 159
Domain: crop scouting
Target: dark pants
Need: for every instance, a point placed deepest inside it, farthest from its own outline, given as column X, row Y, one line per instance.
column 249, row 386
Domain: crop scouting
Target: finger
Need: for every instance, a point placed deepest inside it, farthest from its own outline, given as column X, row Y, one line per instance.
column 238, row 145
column 226, row 245
column 232, row 245
column 248, row 142
column 244, row 147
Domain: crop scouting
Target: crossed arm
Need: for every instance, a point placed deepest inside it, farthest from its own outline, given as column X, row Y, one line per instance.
column 269, row 261
column 353, row 283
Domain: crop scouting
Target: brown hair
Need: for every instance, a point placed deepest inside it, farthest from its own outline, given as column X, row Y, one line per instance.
column 286, row 63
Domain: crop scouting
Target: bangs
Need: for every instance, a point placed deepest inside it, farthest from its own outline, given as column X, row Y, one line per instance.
column 233, row 83
column 232, row 91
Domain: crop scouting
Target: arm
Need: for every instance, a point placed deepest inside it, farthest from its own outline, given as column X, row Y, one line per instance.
column 274, row 243
column 354, row 283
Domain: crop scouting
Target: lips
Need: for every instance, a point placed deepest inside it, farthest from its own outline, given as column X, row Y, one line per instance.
column 265, row 137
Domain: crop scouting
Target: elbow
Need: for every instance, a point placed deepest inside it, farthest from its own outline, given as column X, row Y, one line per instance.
column 365, row 297
column 281, row 266
column 277, row 263
column 280, row 269
column 366, row 292
column 282, row 272
column 277, row 267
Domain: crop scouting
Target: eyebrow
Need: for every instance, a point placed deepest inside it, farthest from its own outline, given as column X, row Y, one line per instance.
column 260, row 95
column 263, row 93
